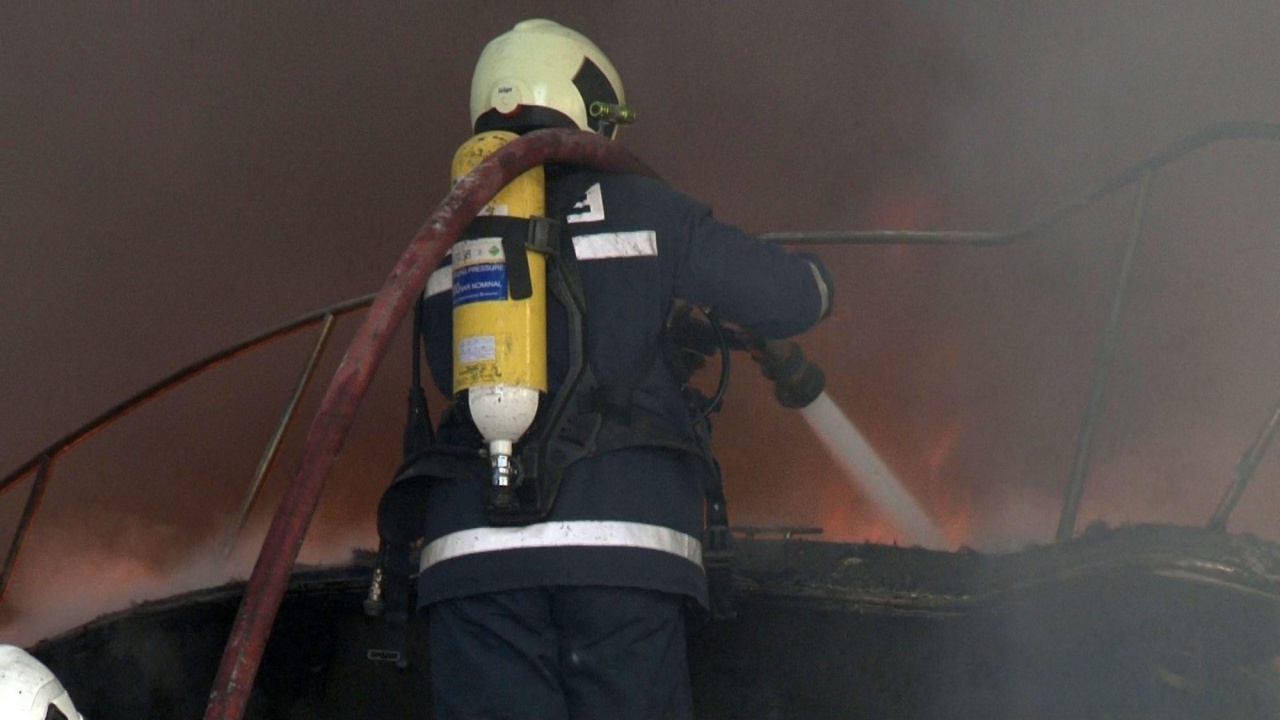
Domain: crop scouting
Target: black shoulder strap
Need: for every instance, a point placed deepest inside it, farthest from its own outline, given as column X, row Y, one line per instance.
column 417, row 428
column 513, row 232
column 585, row 418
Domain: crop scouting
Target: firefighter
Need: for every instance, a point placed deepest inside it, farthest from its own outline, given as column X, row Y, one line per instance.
column 582, row 614
column 29, row 690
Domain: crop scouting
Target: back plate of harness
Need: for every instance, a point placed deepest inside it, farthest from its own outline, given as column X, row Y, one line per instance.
column 584, row 418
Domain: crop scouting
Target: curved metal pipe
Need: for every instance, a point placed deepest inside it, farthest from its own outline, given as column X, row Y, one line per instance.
column 1244, row 471
column 1172, row 152
column 273, row 445
column 151, row 392
column 34, row 498
column 267, row 584
column 1102, row 370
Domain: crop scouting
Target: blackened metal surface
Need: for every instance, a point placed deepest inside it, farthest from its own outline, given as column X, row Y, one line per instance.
column 1143, row 622
column 1140, row 622
column 159, row 659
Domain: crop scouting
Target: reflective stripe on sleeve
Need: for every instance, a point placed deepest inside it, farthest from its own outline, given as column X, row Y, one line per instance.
column 440, row 281
column 602, row 246
column 574, row 533
column 823, row 290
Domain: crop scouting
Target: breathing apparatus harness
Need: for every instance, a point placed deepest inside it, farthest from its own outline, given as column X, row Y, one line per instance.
column 585, row 418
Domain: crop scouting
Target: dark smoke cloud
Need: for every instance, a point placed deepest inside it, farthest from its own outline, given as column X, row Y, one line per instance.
column 174, row 179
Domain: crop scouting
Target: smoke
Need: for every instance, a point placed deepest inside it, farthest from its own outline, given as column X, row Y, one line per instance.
column 1063, row 97
column 180, row 178
column 71, row 578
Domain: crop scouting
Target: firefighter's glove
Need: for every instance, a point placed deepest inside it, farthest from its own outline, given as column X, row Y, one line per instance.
column 692, row 341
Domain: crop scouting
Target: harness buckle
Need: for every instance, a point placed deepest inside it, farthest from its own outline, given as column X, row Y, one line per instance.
column 544, row 235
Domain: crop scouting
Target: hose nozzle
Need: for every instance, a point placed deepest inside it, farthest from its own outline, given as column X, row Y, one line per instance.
column 796, row 381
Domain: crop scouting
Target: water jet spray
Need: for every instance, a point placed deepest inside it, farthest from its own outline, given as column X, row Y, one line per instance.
column 798, row 383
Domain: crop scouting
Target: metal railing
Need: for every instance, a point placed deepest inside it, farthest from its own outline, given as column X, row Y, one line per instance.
column 1142, row 173
column 45, row 458
column 42, row 461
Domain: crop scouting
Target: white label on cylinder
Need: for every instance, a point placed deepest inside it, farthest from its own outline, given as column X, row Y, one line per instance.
column 477, row 348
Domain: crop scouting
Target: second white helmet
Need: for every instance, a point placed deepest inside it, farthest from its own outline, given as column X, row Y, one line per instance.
column 543, row 74
column 29, row 690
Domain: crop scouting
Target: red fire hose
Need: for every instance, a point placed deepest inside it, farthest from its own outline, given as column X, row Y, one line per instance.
column 270, row 578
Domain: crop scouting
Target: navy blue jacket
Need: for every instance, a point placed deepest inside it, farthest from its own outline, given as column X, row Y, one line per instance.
column 632, row 517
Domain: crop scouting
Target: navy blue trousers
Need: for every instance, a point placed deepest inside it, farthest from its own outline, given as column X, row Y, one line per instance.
column 561, row 653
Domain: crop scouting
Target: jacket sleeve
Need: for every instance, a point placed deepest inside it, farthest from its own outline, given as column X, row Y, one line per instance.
column 755, row 284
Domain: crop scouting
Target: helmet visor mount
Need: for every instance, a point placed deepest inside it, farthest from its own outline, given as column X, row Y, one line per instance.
column 600, row 99
column 611, row 116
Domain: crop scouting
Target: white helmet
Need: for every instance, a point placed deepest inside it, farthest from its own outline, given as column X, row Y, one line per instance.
column 542, row 74
column 29, row 690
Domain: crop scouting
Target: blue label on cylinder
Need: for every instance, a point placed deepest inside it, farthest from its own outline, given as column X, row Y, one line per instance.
column 479, row 282
column 479, row 271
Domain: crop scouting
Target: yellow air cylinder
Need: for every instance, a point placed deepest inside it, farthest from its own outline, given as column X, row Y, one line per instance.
column 499, row 344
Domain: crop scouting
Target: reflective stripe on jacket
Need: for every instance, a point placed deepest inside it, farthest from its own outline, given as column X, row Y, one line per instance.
column 567, row 533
